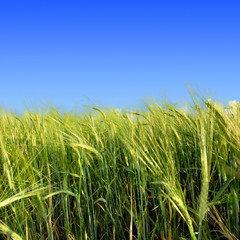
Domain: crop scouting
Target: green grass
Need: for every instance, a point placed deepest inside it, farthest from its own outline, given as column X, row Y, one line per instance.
column 163, row 173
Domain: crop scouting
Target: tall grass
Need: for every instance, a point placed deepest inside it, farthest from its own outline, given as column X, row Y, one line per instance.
column 163, row 173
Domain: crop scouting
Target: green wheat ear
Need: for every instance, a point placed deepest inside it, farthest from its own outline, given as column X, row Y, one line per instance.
column 203, row 199
column 8, row 232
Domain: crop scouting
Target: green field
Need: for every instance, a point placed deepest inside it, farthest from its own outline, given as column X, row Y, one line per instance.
column 162, row 173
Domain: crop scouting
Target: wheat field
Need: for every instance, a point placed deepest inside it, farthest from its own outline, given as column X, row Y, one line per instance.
column 161, row 173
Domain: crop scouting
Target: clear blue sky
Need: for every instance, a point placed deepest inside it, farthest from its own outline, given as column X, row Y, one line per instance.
column 117, row 52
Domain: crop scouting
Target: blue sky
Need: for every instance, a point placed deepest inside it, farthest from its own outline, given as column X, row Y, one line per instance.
column 117, row 53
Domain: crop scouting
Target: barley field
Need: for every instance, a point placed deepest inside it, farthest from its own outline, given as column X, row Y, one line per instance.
column 161, row 173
